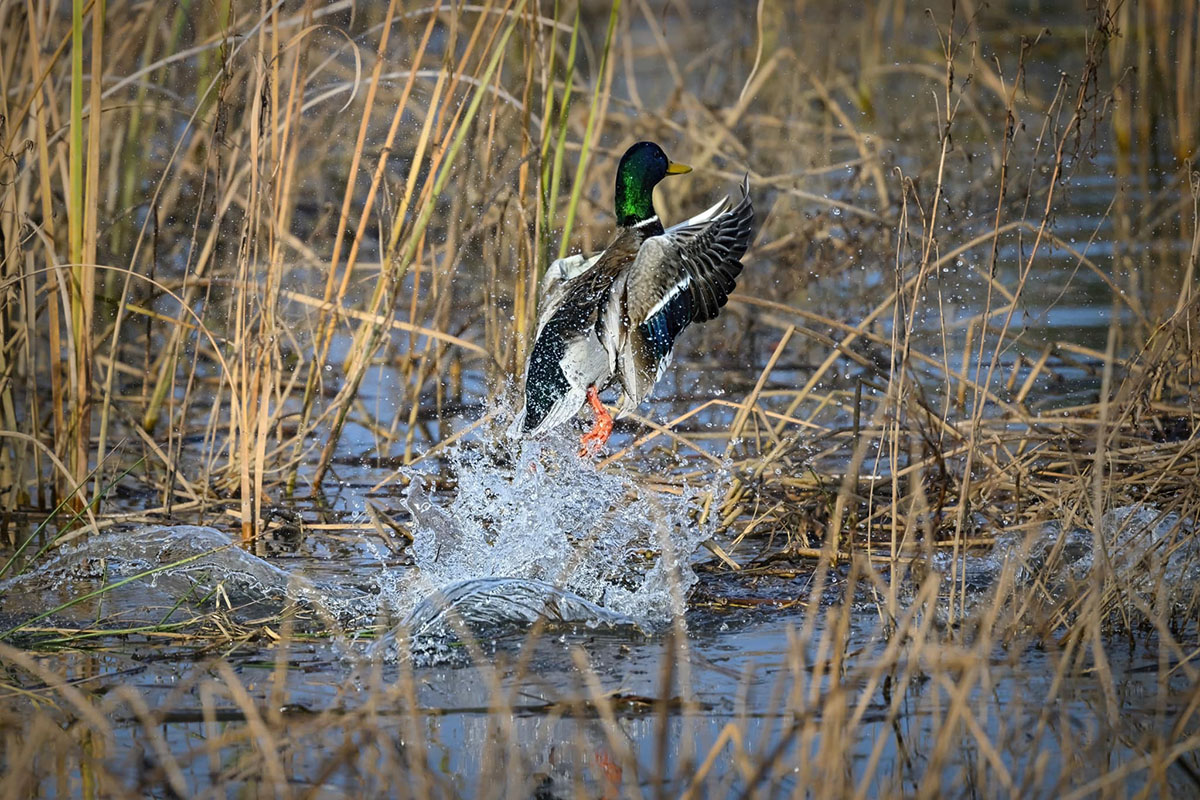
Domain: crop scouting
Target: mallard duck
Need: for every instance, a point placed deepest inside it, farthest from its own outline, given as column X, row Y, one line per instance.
column 615, row 315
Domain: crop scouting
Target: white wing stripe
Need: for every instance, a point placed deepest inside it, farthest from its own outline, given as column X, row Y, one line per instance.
column 704, row 216
column 680, row 286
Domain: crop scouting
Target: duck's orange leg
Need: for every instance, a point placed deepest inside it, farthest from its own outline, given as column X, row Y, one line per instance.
column 610, row 773
column 594, row 439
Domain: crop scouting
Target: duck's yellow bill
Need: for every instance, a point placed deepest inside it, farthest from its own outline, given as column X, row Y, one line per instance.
column 677, row 169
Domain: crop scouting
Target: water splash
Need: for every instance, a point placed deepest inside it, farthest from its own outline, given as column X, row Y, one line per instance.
column 162, row 566
column 534, row 533
column 543, row 515
column 482, row 609
column 1149, row 555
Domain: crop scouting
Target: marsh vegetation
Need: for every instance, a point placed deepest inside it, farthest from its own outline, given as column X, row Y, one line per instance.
column 268, row 270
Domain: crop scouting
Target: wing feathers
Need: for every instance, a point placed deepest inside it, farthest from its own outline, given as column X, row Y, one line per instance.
column 684, row 275
column 707, row 252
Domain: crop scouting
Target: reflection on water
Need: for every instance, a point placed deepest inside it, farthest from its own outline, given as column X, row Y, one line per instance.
column 735, row 669
column 479, row 585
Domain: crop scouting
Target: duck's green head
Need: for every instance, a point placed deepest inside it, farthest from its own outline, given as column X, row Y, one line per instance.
column 640, row 170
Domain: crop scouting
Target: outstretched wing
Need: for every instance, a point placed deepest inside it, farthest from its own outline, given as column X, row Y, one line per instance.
column 683, row 276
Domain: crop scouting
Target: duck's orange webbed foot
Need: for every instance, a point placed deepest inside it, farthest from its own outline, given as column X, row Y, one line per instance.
column 594, row 439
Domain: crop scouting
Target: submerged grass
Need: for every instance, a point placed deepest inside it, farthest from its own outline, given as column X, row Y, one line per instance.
column 276, row 244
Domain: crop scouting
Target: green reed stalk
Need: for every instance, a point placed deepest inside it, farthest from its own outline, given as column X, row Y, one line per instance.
column 554, row 180
column 543, row 220
column 81, row 357
column 397, row 265
column 528, row 250
column 329, row 317
column 13, row 459
column 586, row 145
column 173, row 348
column 130, row 167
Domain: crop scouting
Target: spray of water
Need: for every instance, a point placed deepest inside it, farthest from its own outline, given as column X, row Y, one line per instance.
column 531, row 532
column 549, row 516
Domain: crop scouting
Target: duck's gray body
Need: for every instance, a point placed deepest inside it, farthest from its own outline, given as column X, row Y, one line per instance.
column 615, row 316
